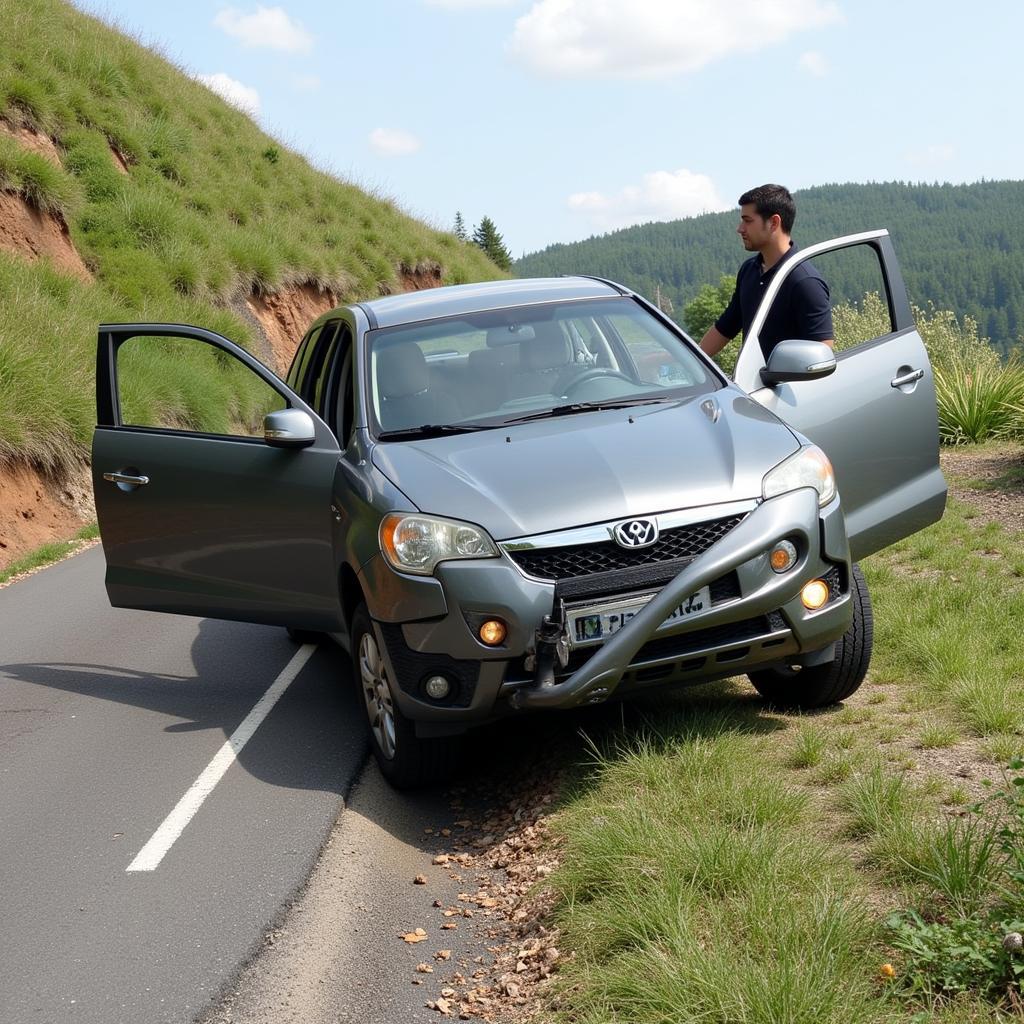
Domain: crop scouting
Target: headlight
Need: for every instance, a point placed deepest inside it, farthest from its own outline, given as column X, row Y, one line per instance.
column 415, row 543
column 809, row 467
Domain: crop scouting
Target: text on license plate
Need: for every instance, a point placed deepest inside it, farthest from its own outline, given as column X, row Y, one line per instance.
column 598, row 622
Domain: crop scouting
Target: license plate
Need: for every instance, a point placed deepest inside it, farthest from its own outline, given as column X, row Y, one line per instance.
column 595, row 623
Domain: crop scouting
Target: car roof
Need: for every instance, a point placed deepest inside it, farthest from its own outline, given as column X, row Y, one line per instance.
column 431, row 303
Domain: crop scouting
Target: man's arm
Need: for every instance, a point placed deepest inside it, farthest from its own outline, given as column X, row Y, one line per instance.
column 714, row 341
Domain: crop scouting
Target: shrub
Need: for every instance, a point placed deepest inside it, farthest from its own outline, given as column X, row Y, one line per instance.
column 975, row 874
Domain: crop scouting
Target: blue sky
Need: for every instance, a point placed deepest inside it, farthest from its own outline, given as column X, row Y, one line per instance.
column 560, row 119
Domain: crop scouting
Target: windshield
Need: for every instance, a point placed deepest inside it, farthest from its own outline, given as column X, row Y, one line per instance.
column 503, row 366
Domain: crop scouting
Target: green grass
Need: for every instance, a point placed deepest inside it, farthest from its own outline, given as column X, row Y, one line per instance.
column 739, row 865
column 49, row 553
column 212, row 210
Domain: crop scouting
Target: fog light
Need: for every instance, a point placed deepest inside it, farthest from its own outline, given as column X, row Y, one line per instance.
column 783, row 556
column 814, row 594
column 437, row 687
column 493, row 632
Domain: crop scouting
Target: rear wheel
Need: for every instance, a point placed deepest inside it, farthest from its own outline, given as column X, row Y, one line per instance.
column 820, row 685
column 406, row 760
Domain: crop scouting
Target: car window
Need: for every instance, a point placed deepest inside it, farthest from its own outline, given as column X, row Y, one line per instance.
column 318, row 364
column 188, row 385
column 859, row 294
column 496, row 366
column 297, row 370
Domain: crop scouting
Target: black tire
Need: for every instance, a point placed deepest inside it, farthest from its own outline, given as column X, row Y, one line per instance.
column 821, row 685
column 406, row 760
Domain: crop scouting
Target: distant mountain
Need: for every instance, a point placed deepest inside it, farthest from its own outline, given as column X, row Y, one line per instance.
column 957, row 247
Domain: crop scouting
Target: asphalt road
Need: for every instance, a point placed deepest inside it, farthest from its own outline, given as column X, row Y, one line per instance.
column 107, row 718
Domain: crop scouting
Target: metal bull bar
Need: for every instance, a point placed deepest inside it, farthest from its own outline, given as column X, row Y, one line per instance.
column 794, row 514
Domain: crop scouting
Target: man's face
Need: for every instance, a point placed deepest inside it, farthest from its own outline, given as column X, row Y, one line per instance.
column 755, row 230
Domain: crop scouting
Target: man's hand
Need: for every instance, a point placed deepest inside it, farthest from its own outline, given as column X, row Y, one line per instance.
column 714, row 341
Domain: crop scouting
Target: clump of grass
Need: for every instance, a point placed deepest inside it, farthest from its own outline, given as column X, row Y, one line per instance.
column 808, row 747
column 38, row 181
column 936, row 735
column 874, row 800
column 978, row 403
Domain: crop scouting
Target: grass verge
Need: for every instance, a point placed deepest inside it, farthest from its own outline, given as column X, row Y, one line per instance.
column 723, row 863
column 49, row 553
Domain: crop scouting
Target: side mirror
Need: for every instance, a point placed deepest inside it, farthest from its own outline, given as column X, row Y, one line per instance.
column 798, row 360
column 288, row 428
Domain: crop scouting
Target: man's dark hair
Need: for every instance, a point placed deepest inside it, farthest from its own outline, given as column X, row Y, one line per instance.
column 769, row 200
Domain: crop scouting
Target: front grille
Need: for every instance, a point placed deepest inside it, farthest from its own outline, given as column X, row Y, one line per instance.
column 681, row 542
column 631, row 581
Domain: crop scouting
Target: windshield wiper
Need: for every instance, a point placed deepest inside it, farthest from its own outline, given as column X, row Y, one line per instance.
column 575, row 407
column 432, row 430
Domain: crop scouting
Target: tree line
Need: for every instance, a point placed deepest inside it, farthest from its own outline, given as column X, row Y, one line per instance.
column 956, row 245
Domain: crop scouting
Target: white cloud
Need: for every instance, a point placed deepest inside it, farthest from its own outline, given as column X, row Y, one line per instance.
column 813, row 63
column 391, row 142
column 935, row 153
column 269, row 27
column 238, row 95
column 655, row 38
column 464, row 5
column 661, row 195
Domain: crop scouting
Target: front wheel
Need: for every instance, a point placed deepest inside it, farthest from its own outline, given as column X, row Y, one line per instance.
column 406, row 760
column 819, row 685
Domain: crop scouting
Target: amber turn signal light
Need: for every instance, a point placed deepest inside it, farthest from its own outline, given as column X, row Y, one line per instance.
column 814, row 594
column 493, row 632
column 783, row 556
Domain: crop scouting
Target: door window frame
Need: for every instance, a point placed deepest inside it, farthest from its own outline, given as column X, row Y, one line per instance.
column 751, row 359
column 108, row 398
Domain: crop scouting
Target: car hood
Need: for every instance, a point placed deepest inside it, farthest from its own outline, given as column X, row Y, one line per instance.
column 554, row 474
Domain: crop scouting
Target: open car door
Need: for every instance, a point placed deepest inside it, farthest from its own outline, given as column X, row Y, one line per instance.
column 875, row 416
column 205, row 507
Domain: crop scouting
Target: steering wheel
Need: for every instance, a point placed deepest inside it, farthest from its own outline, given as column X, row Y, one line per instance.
column 592, row 374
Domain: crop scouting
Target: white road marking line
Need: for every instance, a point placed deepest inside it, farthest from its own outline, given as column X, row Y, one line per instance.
column 173, row 825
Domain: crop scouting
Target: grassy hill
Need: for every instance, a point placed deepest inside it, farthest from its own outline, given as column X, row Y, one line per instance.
column 179, row 207
column 955, row 246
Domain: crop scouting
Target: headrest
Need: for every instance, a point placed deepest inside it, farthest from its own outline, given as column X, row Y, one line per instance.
column 402, row 371
column 548, row 349
column 499, row 337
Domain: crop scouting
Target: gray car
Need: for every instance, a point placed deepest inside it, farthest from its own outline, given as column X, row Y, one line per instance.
column 528, row 494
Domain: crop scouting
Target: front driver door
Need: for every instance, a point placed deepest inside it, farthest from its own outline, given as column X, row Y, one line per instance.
column 875, row 416
column 224, row 525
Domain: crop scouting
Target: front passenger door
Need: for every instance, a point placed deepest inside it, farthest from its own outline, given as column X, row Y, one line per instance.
column 198, row 514
column 875, row 416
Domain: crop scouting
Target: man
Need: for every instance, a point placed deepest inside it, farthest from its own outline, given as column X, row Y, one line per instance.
column 801, row 309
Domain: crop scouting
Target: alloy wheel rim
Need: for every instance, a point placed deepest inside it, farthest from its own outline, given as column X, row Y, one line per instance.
column 376, row 688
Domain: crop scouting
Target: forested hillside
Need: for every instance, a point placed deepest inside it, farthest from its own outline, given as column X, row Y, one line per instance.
column 957, row 248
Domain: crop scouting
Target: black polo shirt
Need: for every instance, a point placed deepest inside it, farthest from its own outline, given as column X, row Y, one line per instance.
column 802, row 308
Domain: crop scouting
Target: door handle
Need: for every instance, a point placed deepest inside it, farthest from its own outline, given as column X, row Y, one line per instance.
column 906, row 378
column 126, row 478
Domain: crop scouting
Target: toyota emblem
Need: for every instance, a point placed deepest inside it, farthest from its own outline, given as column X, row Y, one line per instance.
column 637, row 533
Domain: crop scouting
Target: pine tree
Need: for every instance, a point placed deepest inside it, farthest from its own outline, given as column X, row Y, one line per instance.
column 486, row 236
column 459, row 230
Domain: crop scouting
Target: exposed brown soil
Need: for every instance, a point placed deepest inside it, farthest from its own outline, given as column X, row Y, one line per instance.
column 990, row 480
column 26, row 232
column 36, row 509
column 118, row 160
column 285, row 315
column 26, row 137
column 420, row 277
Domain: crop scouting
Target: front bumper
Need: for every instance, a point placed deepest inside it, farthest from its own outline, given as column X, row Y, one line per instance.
column 766, row 623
